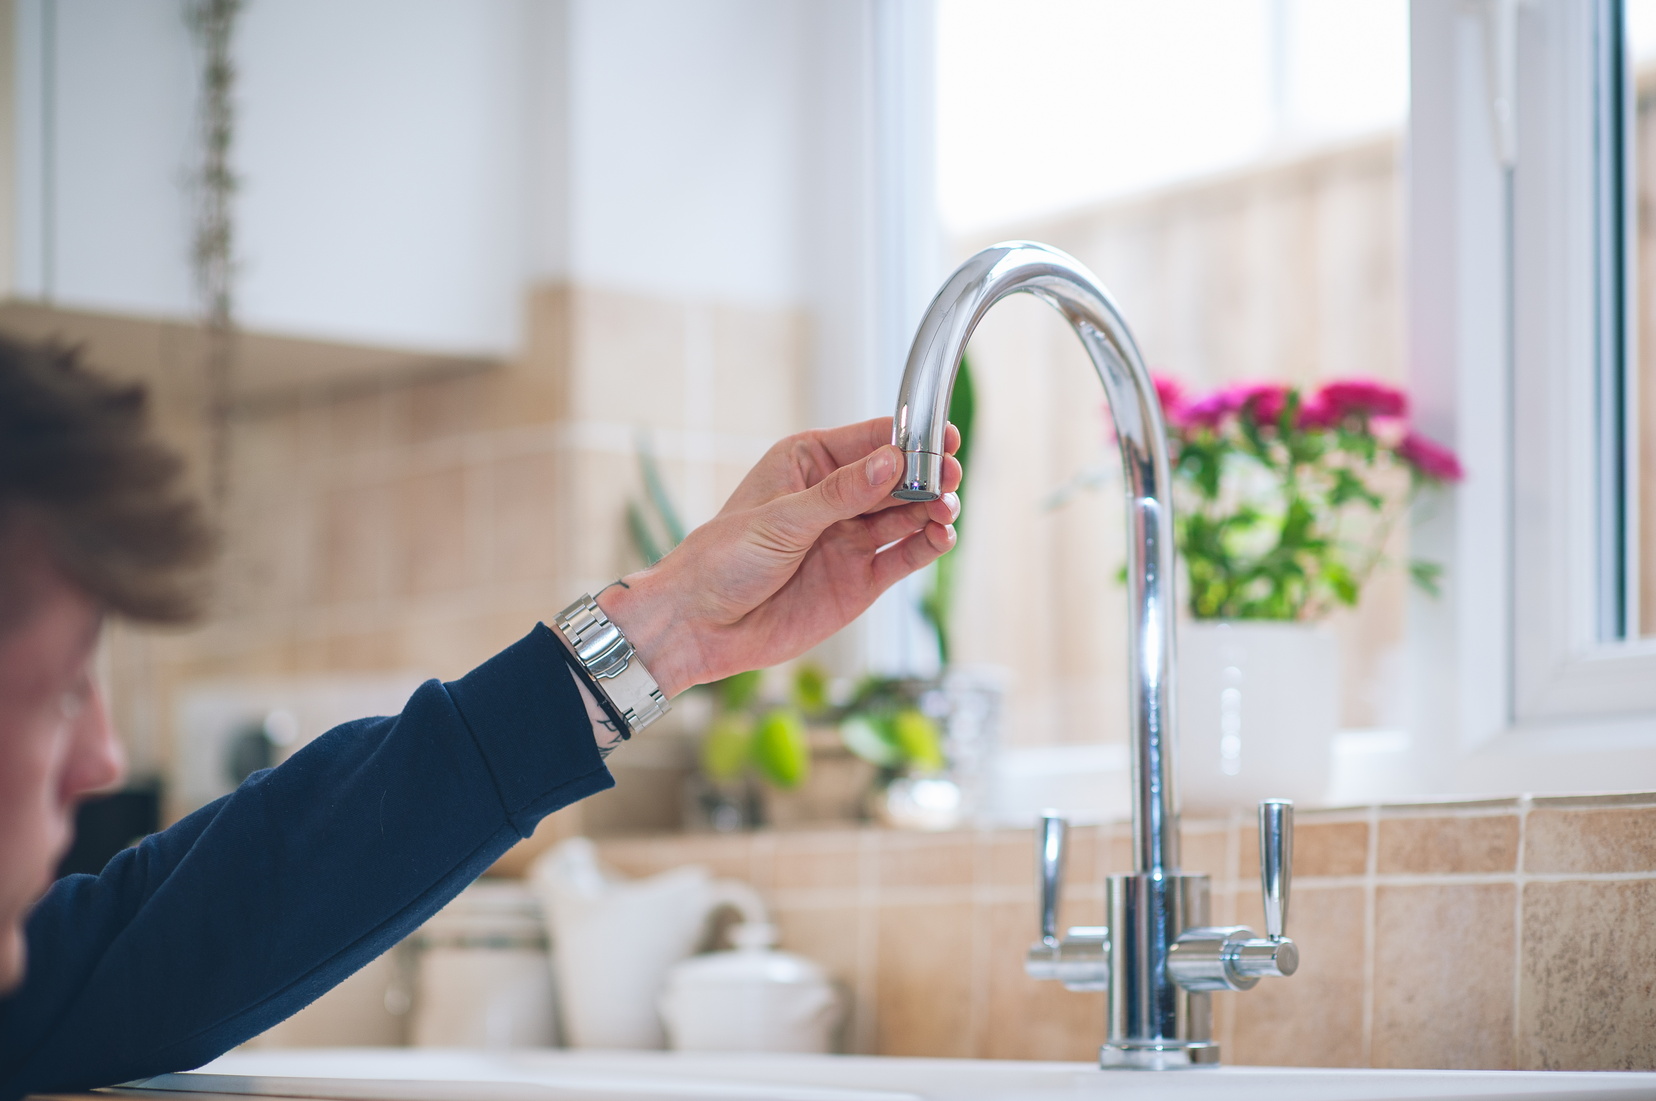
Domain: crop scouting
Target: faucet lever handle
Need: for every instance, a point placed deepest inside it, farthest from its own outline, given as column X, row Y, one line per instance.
column 1049, row 854
column 1276, row 861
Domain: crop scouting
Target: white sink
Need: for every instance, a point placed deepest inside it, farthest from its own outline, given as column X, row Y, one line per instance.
column 340, row 1074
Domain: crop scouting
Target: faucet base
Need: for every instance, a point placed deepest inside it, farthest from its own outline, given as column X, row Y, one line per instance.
column 1159, row 1055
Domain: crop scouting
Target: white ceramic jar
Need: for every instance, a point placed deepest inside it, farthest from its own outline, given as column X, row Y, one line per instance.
column 751, row 999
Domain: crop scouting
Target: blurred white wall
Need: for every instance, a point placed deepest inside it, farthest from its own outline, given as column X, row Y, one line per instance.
column 378, row 146
column 686, row 147
column 408, row 167
column 104, row 100
column 383, row 168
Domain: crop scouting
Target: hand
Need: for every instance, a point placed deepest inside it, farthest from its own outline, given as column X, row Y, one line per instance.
column 794, row 555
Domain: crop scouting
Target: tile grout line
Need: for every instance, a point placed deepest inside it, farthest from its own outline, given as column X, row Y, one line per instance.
column 1233, row 873
column 1371, row 865
column 1519, row 879
column 982, row 947
column 868, row 947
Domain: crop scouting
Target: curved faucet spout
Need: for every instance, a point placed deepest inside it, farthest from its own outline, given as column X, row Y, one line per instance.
column 922, row 416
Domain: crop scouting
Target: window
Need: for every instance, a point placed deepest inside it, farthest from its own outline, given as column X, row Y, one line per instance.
column 1524, row 283
column 1232, row 171
column 1522, row 235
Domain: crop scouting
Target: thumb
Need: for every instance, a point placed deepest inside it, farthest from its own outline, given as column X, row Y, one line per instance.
column 850, row 491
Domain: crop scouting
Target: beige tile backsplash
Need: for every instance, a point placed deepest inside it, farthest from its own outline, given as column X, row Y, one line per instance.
column 1501, row 934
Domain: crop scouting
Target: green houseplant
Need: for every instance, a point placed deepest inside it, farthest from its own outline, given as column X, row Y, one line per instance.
column 1285, row 501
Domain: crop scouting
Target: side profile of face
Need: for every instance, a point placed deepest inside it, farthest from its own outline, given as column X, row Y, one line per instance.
column 56, row 743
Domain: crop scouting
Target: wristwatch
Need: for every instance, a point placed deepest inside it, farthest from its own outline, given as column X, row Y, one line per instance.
column 610, row 665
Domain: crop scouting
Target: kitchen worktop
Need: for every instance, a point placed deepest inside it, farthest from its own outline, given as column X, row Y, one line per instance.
column 425, row 1075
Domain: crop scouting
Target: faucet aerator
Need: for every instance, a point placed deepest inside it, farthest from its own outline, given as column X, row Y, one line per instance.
column 922, row 476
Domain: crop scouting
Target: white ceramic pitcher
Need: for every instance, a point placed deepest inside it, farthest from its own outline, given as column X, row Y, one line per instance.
column 613, row 939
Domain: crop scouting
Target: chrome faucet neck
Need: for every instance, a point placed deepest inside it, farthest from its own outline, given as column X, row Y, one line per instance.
column 922, row 416
column 1158, row 958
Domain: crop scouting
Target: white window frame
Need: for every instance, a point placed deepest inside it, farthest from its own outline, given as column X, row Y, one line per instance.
column 1515, row 299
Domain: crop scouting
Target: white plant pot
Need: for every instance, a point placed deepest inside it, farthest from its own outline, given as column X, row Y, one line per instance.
column 1258, row 708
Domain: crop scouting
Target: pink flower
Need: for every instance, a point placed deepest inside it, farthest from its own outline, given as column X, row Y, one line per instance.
column 1171, row 394
column 1263, row 402
column 1360, row 397
column 1209, row 411
column 1318, row 413
column 1430, row 460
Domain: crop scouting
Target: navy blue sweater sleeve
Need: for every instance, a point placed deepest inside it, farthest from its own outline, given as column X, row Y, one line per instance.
column 209, row 932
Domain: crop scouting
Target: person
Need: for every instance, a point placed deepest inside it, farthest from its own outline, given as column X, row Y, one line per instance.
column 208, row 932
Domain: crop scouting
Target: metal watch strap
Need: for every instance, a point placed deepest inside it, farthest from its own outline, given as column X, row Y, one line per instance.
column 611, row 663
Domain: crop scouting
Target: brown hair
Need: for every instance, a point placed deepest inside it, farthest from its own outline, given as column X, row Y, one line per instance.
column 78, row 463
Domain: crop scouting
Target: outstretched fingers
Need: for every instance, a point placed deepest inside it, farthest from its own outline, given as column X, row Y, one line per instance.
column 892, row 524
column 915, row 552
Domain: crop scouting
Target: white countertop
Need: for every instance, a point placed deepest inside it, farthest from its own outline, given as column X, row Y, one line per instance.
column 342, row 1074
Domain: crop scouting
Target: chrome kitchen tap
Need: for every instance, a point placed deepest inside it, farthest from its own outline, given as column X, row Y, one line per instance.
column 1158, row 957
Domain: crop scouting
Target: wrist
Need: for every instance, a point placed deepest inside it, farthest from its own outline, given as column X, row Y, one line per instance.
column 647, row 615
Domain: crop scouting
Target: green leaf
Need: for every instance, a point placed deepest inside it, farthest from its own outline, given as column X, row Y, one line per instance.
column 874, row 692
column 1202, row 464
column 659, row 497
column 963, row 408
column 1287, row 419
column 738, row 690
column 643, row 541
column 919, row 739
column 727, row 748
column 1348, row 487
column 1256, row 443
column 872, row 740
column 781, row 753
column 810, row 688
column 937, row 603
column 1342, row 583
column 1427, row 575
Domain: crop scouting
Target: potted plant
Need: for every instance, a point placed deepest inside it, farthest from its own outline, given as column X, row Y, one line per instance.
column 807, row 759
column 893, row 723
column 1285, row 500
